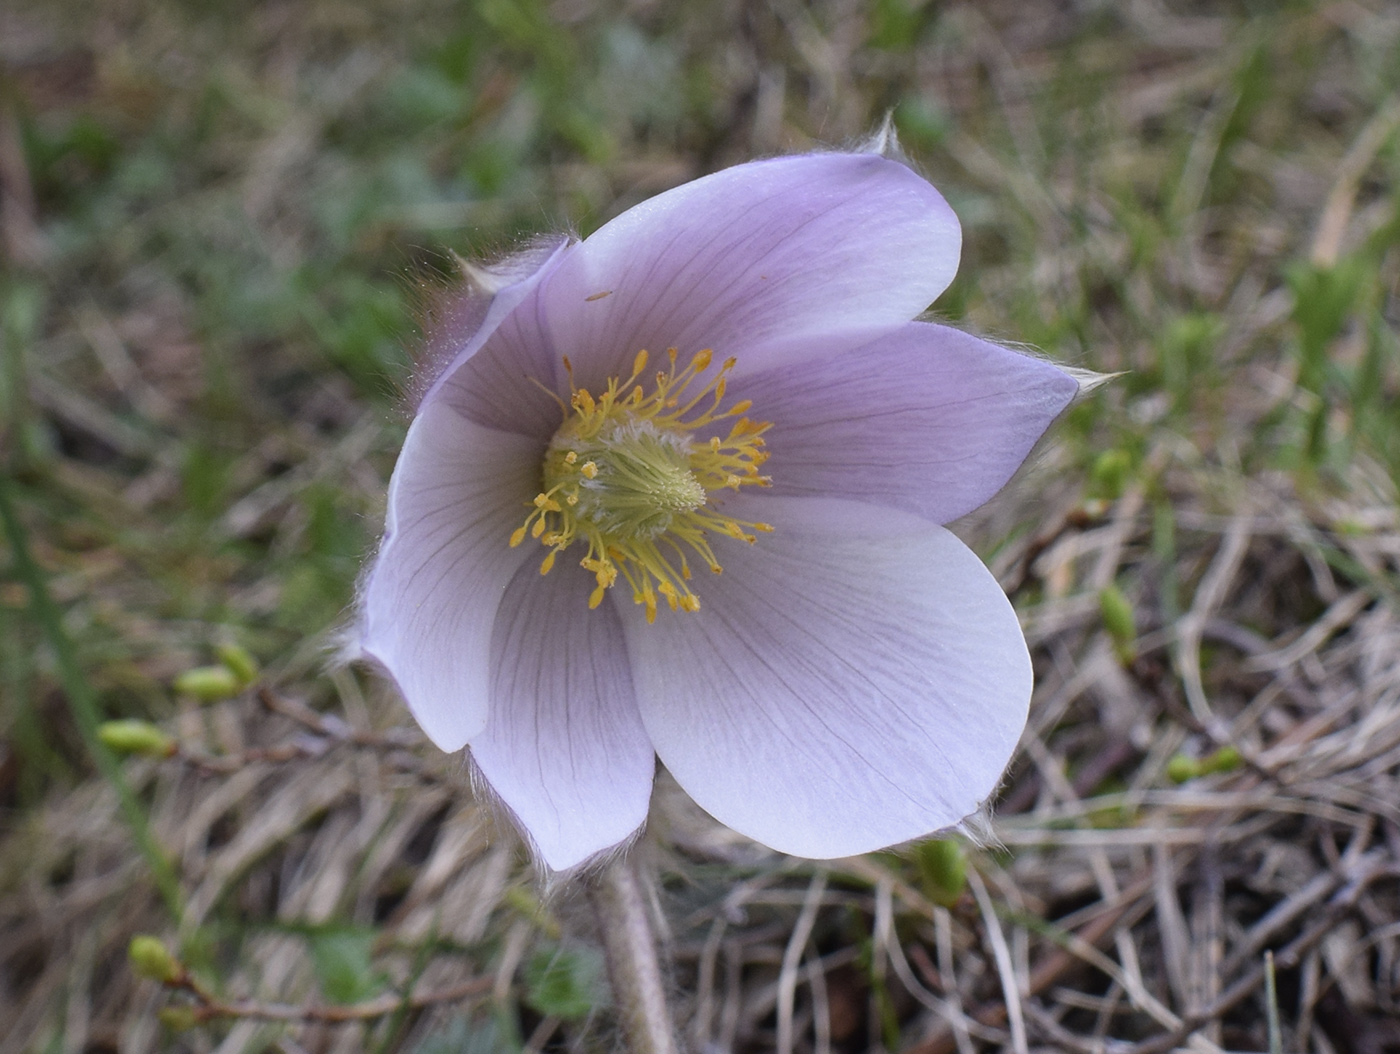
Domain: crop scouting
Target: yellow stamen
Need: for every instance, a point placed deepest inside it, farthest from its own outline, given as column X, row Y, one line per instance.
column 627, row 475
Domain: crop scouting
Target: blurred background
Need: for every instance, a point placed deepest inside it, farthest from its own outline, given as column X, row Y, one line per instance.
column 217, row 223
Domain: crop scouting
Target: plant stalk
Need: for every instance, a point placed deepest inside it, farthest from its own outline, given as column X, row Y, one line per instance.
column 634, row 963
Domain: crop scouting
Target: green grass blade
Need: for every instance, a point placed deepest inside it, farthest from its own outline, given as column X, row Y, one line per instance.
column 81, row 701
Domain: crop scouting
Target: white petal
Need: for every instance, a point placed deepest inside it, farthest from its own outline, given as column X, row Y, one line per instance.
column 564, row 746
column 769, row 249
column 457, row 493
column 853, row 680
column 924, row 418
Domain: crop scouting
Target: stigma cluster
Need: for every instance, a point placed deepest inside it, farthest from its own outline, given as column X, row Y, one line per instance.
column 635, row 474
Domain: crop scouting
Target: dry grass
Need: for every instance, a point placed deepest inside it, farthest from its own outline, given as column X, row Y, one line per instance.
column 1138, row 188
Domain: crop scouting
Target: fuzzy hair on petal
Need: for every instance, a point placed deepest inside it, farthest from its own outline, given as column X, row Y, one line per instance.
column 450, row 313
column 884, row 141
column 1088, row 380
column 504, row 818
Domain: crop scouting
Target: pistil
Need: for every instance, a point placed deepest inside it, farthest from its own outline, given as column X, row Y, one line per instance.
column 627, row 474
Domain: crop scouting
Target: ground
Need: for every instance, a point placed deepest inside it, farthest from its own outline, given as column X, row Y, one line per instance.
column 218, row 224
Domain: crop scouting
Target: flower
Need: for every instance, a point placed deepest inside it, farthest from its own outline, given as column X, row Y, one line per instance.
column 724, row 376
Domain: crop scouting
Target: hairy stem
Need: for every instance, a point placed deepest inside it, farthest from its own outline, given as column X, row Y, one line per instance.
column 634, row 965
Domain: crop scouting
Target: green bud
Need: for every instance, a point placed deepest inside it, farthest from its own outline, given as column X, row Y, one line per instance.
column 208, row 684
column 527, row 904
column 1226, row 759
column 239, row 663
column 1181, row 768
column 151, row 958
column 1117, row 615
column 178, row 1018
column 136, row 737
column 943, row 868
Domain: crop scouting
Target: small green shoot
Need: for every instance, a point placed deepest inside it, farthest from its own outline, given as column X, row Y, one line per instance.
column 208, row 684
column 237, row 660
column 1117, row 613
column 1182, row 767
column 132, row 736
column 150, row 958
column 942, row 868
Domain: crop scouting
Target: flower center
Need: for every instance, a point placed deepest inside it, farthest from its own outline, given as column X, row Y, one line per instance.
column 627, row 474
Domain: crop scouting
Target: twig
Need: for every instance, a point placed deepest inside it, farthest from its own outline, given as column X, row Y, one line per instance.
column 541, row 1035
column 331, row 726
column 1279, row 916
column 1002, row 954
column 1331, row 227
column 327, row 732
column 821, row 1005
column 1210, row 594
column 224, row 764
column 1286, row 959
column 1271, row 992
column 208, row 1007
column 1055, row 965
column 792, row 956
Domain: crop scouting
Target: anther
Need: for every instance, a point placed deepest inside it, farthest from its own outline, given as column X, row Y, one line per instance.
column 655, row 479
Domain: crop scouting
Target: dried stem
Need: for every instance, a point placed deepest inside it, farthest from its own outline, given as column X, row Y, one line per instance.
column 208, row 1007
column 634, row 965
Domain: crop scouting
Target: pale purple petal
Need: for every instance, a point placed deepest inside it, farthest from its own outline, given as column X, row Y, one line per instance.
column 510, row 384
column 457, row 493
column 459, row 328
column 784, row 247
column 924, row 418
column 854, row 680
column 564, row 746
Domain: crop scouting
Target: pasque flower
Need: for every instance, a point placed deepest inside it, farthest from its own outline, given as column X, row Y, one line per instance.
column 676, row 490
